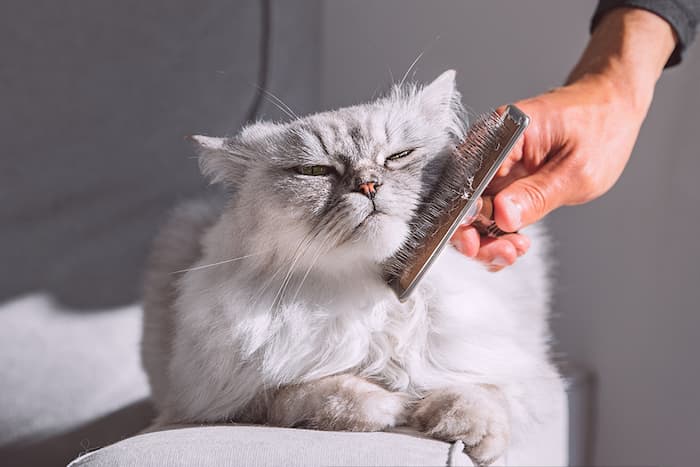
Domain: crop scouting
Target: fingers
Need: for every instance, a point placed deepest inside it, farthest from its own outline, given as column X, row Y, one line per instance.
column 467, row 241
column 527, row 186
column 500, row 252
column 497, row 253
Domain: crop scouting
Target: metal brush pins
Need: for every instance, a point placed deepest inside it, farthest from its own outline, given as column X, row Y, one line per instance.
column 470, row 168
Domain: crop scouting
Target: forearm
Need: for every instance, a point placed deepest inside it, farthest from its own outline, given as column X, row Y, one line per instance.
column 628, row 49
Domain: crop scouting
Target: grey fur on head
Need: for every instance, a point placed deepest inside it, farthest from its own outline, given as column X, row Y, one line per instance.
column 355, row 144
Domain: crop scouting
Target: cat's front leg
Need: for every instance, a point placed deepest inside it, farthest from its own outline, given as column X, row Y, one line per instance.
column 477, row 415
column 338, row 403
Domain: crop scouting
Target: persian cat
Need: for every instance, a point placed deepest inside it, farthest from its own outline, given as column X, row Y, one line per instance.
column 269, row 305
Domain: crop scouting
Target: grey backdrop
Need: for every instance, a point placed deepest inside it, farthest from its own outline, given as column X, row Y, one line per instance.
column 96, row 98
column 628, row 285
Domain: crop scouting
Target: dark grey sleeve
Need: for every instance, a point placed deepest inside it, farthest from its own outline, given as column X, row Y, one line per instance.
column 682, row 15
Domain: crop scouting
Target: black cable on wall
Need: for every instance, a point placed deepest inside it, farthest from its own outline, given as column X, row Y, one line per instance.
column 263, row 64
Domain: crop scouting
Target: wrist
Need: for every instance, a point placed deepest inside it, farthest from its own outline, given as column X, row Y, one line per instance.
column 627, row 53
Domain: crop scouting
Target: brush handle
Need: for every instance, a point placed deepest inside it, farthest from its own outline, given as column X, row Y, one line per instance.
column 490, row 140
column 484, row 221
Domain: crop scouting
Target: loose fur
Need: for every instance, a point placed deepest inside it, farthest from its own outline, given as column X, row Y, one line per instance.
column 270, row 306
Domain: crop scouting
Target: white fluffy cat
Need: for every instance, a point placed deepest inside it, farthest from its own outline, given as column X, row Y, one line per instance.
column 282, row 315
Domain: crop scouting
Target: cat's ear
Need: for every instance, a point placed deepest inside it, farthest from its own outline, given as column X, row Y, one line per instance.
column 227, row 160
column 215, row 159
column 441, row 90
column 441, row 103
column 440, row 95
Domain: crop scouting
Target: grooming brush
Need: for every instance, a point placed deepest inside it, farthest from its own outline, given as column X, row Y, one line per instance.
column 468, row 171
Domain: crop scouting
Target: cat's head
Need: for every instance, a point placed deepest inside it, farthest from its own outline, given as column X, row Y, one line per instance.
column 339, row 186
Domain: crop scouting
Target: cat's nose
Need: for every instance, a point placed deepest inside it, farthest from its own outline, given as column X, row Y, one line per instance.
column 368, row 188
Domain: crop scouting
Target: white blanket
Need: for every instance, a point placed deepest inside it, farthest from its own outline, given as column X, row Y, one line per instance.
column 60, row 368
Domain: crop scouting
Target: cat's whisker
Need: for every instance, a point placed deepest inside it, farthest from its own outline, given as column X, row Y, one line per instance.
column 261, row 293
column 284, row 111
column 218, row 263
column 413, row 64
column 255, row 299
column 299, row 252
column 279, row 103
column 286, row 279
column 321, row 251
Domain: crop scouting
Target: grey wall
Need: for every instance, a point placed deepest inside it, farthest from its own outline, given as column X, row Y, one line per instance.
column 628, row 285
column 96, row 97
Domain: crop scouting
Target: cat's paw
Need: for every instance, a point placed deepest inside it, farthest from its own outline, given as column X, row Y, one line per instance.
column 338, row 403
column 476, row 415
column 355, row 404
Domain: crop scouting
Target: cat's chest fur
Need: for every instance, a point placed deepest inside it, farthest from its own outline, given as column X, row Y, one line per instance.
column 334, row 325
column 295, row 333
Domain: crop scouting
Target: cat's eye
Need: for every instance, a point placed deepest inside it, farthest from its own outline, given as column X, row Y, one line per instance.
column 314, row 170
column 399, row 155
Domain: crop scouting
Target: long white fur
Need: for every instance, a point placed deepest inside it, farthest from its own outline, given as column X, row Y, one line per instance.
column 216, row 337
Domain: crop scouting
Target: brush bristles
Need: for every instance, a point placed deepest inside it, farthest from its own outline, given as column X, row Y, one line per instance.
column 455, row 183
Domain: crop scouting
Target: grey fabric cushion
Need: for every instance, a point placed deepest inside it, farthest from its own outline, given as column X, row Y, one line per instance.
column 259, row 446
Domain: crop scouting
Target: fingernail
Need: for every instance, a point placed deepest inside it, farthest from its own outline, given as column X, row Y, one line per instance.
column 471, row 214
column 515, row 212
column 457, row 243
column 499, row 261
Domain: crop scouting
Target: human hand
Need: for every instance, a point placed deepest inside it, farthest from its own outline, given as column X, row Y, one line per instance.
column 581, row 135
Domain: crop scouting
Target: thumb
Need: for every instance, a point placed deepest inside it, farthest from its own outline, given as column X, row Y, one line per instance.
column 528, row 199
